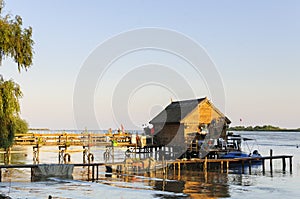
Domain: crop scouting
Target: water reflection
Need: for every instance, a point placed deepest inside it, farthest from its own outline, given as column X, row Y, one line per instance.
column 18, row 155
column 191, row 184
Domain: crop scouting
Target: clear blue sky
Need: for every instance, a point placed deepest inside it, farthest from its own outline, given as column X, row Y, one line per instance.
column 255, row 46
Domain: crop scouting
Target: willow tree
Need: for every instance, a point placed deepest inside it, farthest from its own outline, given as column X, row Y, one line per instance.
column 15, row 42
column 10, row 93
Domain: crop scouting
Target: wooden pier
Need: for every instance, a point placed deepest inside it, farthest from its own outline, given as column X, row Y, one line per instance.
column 64, row 140
column 223, row 165
column 94, row 167
column 70, row 139
column 205, row 165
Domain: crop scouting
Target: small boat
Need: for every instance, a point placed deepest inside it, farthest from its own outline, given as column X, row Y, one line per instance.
column 253, row 159
column 240, row 154
column 234, row 154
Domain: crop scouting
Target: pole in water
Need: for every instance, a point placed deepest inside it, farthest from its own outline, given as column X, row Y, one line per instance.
column 263, row 166
column 271, row 164
column 291, row 165
column 283, row 164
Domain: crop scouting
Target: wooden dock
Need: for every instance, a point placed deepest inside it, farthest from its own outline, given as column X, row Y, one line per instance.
column 71, row 139
column 65, row 140
column 243, row 163
column 205, row 165
column 94, row 167
column 223, row 165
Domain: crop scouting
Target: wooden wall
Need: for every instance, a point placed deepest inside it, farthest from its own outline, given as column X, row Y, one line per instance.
column 170, row 134
column 203, row 114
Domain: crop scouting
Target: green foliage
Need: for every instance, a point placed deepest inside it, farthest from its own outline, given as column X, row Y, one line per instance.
column 9, row 111
column 7, row 129
column 15, row 42
column 10, row 93
column 21, row 126
column 261, row 128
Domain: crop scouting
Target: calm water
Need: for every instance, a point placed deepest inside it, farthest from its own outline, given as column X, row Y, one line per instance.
column 190, row 184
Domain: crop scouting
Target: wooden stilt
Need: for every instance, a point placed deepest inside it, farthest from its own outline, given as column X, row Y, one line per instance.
column 283, row 164
column 166, row 168
column 97, row 172
column 174, row 169
column 221, row 166
column 250, row 167
column 93, row 173
column 271, row 163
column 31, row 173
column 227, row 166
column 291, row 165
column 205, row 165
column 263, row 166
column 179, row 170
column 243, row 166
column 36, row 154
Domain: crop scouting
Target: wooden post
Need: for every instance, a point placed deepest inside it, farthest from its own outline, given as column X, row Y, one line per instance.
column 205, row 165
column 31, row 173
column 250, row 167
column 227, row 166
column 7, row 156
column 113, row 154
column 291, row 165
column 178, row 170
column 163, row 164
column 84, row 155
column 283, row 164
column 221, row 167
column 263, row 166
column 174, row 168
column 93, row 173
column 97, row 172
column 88, row 173
column 36, row 154
column 243, row 166
column 166, row 168
column 271, row 164
column 135, row 148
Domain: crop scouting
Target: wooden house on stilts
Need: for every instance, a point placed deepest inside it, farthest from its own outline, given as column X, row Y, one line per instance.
column 181, row 121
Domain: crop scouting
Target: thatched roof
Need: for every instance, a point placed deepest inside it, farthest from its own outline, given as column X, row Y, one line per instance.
column 178, row 110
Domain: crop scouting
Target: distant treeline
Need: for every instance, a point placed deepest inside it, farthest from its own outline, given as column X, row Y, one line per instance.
column 38, row 129
column 262, row 128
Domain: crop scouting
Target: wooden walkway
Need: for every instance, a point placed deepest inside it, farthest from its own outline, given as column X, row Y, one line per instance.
column 205, row 165
column 71, row 139
column 177, row 165
column 240, row 162
column 94, row 166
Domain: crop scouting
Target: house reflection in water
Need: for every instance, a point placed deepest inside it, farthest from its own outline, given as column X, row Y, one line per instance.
column 196, row 184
